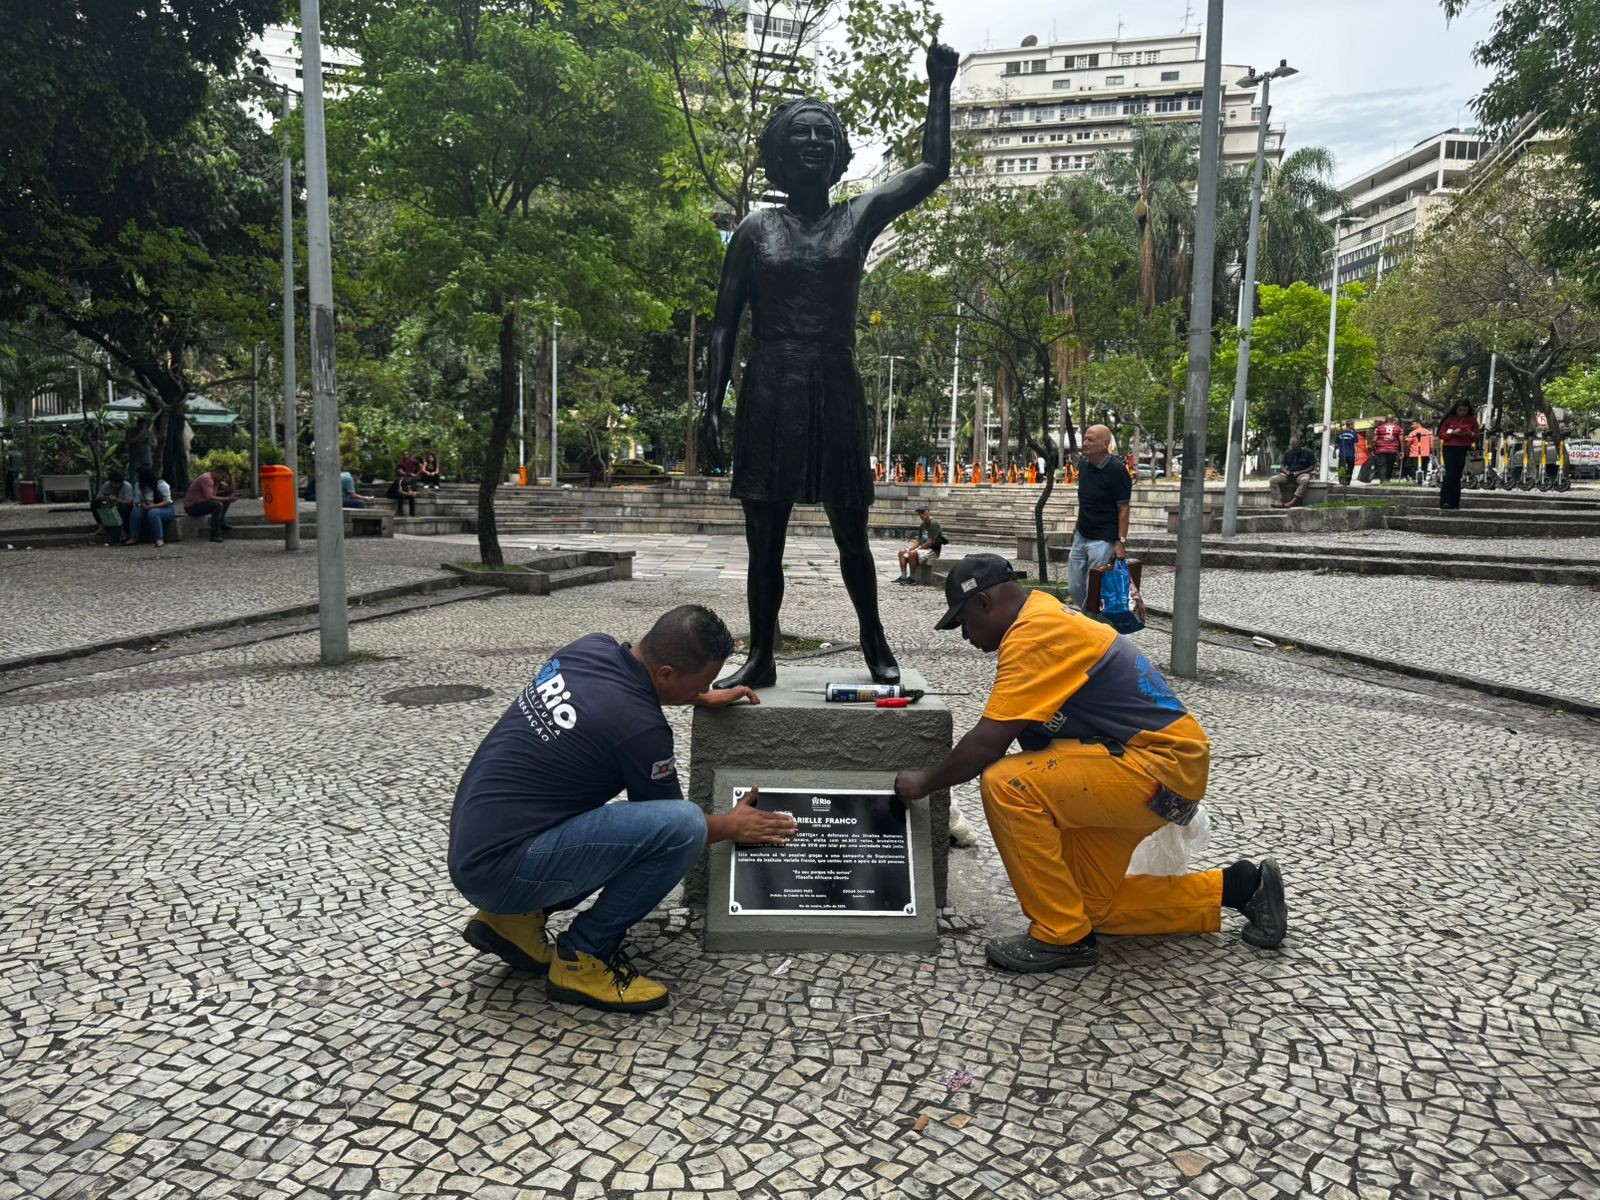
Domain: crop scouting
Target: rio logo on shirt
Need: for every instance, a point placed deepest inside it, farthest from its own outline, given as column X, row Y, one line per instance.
column 550, row 687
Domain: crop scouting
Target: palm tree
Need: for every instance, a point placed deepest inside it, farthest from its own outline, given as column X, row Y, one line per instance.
column 1157, row 173
column 1295, row 239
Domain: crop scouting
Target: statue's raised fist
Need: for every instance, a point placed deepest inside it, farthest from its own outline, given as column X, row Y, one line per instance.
column 942, row 63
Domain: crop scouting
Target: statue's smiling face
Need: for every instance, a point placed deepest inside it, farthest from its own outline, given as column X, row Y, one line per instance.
column 811, row 145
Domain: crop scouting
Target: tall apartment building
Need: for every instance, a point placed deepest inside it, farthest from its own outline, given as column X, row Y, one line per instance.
column 279, row 45
column 1393, row 202
column 1039, row 110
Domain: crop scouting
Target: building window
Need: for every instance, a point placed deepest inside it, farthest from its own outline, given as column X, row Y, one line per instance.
column 1058, row 137
column 1135, row 107
column 1027, row 164
column 1168, row 104
column 1113, row 80
column 1081, row 62
column 1061, row 85
column 1193, row 104
column 1015, row 68
column 1124, row 59
column 1028, row 138
column 1003, row 141
column 1149, row 56
column 1103, row 110
column 1011, row 116
column 1255, row 114
column 1044, row 113
column 1059, row 162
column 1169, row 77
column 780, row 27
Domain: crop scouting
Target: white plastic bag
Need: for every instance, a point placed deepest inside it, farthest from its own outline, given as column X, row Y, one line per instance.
column 1171, row 849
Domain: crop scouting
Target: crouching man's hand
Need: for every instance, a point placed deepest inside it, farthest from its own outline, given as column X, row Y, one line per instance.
column 910, row 785
column 747, row 825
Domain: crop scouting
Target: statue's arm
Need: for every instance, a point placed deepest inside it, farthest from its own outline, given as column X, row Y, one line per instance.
column 910, row 188
column 732, row 295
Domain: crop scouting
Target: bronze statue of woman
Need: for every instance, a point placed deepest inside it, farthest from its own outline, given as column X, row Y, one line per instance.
column 802, row 434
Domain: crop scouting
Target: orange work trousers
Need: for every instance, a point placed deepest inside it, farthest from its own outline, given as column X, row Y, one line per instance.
column 1066, row 820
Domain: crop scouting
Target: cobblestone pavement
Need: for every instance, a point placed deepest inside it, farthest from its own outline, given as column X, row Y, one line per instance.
column 233, row 964
column 1393, row 541
column 60, row 598
column 1536, row 637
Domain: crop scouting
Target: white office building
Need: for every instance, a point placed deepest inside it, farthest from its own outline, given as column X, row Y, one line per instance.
column 279, row 45
column 1038, row 110
column 1394, row 201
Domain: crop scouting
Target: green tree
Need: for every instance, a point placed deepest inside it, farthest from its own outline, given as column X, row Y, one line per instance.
column 1295, row 240
column 1546, row 59
column 524, row 145
column 1578, row 394
column 1157, row 174
column 1288, row 363
column 1484, row 282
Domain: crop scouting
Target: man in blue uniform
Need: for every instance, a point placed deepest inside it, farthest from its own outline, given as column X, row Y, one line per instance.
column 532, row 832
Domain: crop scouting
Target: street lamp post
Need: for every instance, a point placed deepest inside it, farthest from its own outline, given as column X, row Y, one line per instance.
column 955, row 385
column 1247, row 305
column 291, row 421
column 888, row 444
column 333, row 614
column 1197, row 395
column 555, row 436
column 1333, row 323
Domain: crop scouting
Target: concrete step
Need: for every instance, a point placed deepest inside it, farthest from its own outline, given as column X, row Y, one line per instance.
column 577, row 577
column 1510, row 526
column 1166, row 543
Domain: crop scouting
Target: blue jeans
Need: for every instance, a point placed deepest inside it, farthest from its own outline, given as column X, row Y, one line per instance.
column 156, row 518
column 635, row 852
column 1083, row 555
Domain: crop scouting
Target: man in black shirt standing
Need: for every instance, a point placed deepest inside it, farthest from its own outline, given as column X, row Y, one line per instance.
column 532, row 832
column 1298, row 463
column 1105, row 499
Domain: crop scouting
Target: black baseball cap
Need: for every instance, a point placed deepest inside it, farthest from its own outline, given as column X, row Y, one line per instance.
column 922, row 508
column 970, row 576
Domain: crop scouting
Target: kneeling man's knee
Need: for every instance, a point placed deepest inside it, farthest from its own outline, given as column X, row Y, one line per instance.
column 682, row 825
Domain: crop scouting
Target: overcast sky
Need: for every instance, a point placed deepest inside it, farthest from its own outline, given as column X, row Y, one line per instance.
column 1376, row 75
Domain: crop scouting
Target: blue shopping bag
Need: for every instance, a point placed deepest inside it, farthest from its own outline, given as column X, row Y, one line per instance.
column 1117, row 599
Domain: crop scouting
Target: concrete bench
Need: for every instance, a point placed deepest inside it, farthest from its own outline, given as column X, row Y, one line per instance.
column 368, row 522
column 64, row 483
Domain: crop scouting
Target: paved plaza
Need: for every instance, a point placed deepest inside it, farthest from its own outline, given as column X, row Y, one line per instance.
column 234, row 966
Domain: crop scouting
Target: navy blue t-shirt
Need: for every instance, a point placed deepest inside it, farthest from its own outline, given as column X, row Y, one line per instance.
column 1347, row 443
column 587, row 728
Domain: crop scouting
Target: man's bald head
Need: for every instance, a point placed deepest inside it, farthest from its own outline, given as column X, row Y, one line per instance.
column 1096, row 443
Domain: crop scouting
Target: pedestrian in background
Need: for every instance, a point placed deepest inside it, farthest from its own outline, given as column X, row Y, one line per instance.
column 1346, row 445
column 1458, row 434
column 1419, row 449
column 1387, row 440
column 1105, row 499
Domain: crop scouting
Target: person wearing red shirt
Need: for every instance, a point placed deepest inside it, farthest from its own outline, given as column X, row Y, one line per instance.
column 1458, row 433
column 1386, row 440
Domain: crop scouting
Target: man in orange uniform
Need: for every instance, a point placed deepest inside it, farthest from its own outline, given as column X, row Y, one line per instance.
column 1108, row 755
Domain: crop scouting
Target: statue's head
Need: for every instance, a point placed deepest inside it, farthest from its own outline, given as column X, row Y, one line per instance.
column 804, row 141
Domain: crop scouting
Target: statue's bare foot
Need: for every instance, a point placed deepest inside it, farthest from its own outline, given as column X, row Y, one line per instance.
column 880, row 659
column 759, row 671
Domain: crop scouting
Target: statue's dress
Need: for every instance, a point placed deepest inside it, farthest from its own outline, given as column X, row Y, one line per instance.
column 802, row 430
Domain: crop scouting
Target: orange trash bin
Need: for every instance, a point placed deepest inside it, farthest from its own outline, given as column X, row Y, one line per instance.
column 277, row 494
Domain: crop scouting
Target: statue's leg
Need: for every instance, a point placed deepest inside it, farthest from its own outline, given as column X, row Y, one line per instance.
column 766, row 529
column 861, row 581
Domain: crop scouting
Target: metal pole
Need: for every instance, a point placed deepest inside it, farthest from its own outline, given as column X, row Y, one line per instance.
column 1488, row 411
column 888, row 443
column 555, row 436
column 1192, row 488
column 291, row 415
column 1327, row 382
column 1247, row 316
column 331, row 600
column 522, row 417
column 255, row 419
column 955, row 385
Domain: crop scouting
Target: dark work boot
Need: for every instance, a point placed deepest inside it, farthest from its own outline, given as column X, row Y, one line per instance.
column 1267, row 910
column 1027, row 953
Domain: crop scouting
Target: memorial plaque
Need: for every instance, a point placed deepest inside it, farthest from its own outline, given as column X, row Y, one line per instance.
column 851, row 856
column 866, row 886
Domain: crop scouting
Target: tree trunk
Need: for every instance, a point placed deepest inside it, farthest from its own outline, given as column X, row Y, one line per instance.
column 1041, row 549
column 494, row 455
column 1004, row 397
column 691, row 433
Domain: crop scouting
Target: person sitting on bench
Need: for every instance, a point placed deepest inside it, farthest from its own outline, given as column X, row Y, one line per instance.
column 930, row 540
column 211, row 495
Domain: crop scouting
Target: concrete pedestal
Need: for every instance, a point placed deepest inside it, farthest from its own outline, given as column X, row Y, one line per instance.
column 756, row 933
column 796, row 730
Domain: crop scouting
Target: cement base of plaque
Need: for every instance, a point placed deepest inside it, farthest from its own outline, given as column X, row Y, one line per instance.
column 728, row 932
column 794, row 729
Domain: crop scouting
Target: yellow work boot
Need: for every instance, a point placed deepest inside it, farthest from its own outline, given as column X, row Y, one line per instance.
column 518, row 939
column 579, row 978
